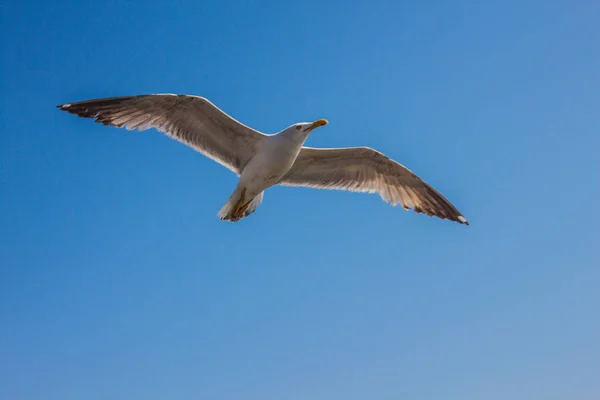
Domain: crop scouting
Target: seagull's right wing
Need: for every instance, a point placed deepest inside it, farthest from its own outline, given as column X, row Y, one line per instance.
column 362, row 169
column 192, row 120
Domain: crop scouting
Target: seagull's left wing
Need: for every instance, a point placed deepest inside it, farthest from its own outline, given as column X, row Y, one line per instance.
column 193, row 120
column 362, row 169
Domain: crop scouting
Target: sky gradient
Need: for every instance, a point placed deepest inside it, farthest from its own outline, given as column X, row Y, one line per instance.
column 118, row 281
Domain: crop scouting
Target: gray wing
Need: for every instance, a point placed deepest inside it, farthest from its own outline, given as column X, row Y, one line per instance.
column 193, row 120
column 362, row 169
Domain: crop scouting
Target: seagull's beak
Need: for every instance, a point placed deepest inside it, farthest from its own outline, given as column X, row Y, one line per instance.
column 316, row 124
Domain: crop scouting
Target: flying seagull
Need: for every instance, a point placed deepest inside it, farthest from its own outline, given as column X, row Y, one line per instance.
column 264, row 160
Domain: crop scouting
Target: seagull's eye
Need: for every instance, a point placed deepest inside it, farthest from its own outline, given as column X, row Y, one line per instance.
column 298, row 127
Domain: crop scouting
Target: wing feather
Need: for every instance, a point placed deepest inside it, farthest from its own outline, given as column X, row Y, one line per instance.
column 362, row 169
column 192, row 120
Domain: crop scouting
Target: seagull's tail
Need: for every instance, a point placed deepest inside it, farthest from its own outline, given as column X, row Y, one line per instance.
column 238, row 207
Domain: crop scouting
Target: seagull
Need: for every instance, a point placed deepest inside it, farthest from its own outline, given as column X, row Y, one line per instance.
column 264, row 160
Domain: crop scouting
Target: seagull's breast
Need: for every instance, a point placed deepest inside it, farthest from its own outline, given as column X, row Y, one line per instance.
column 272, row 161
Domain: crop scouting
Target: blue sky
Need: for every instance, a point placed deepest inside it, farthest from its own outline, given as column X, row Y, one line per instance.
column 118, row 281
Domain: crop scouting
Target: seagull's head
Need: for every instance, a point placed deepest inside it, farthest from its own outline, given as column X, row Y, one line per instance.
column 307, row 127
column 300, row 131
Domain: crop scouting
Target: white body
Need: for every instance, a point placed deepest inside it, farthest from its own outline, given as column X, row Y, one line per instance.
column 272, row 161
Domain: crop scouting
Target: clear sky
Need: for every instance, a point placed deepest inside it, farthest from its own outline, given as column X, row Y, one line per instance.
column 118, row 281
